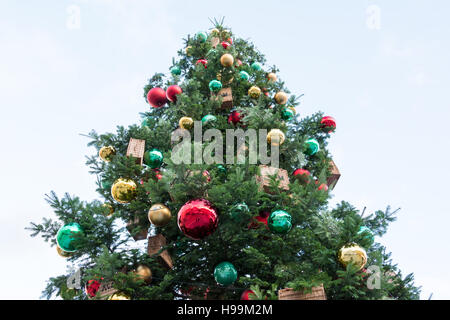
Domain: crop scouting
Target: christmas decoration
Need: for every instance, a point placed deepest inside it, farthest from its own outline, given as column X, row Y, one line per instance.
column 67, row 235
column 275, row 137
column 328, row 124
column 156, row 97
column 175, row 70
column 107, row 153
column 63, row 253
column 311, row 147
column 256, row 222
column 352, row 253
column 209, row 118
column 143, row 272
column 153, row 158
column 234, row 117
column 302, row 175
column 227, row 60
column 172, row 93
column 238, row 63
column 227, row 98
column 265, row 174
column 135, row 229
column 201, row 36
column 188, row 50
column 155, row 244
column 238, row 211
column 215, row 85
column 197, row 219
column 225, row 44
column 159, row 215
column 281, row 97
column 186, row 123
column 280, row 222
column 366, row 233
column 136, row 148
column 323, row 187
column 225, row 273
column 272, row 77
column 334, row 177
column 256, row 66
column 91, row 288
column 109, row 209
column 106, row 289
column 244, row 75
column 123, row 190
column 287, row 114
column 254, row 92
column 204, row 62
column 247, row 294
column 317, row 293
column 119, row 296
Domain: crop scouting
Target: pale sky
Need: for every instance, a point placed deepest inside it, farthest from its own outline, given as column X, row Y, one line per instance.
column 385, row 81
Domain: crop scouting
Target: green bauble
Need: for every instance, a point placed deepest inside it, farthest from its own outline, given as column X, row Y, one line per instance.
column 244, row 75
column 287, row 114
column 153, row 158
column 239, row 211
column 280, row 222
column 366, row 233
column 225, row 273
column 107, row 185
column 175, row 70
column 209, row 118
column 311, row 147
column 66, row 236
column 201, row 36
column 222, row 169
column 215, row 85
column 256, row 66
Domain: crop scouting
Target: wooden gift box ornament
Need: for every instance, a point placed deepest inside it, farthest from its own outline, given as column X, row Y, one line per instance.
column 264, row 179
column 227, row 96
column 317, row 293
column 131, row 225
column 106, row 289
column 335, row 175
column 155, row 244
column 136, row 149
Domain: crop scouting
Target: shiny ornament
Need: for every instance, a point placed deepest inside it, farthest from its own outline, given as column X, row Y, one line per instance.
column 119, row 296
column 280, row 222
column 272, row 77
column 144, row 273
column 287, row 114
column 188, row 50
column 172, row 93
column 63, row 253
column 108, row 209
column 352, row 253
column 311, row 147
column 302, row 175
column 197, row 219
column 225, row 44
column 227, row 60
column 225, row 273
column 159, row 215
column 107, row 153
column 156, row 97
column 247, row 295
column 66, row 236
column 234, row 117
column 323, row 187
column 215, row 32
column 244, row 75
column 186, row 123
column 123, row 190
column 208, row 119
column 153, row 158
column 257, row 221
column 275, row 137
column 328, row 124
column 91, row 288
column 254, row 92
column 256, row 66
column 281, row 97
column 175, row 70
column 239, row 211
column 204, row 62
column 367, row 234
column 215, row 85
column 201, row 36
column 221, row 168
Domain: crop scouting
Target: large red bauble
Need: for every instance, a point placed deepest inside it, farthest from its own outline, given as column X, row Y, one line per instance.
column 244, row 295
column 156, row 97
column 172, row 92
column 302, row 175
column 197, row 219
column 328, row 124
column 234, row 117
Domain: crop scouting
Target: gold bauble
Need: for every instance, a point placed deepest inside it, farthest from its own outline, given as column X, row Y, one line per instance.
column 188, row 50
column 281, row 97
column 275, row 137
column 272, row 77
column 215, row 32
column 107, row 153
column 352, row 253
column 123, row 190
column 109, row 207
column 119, row 296
column 63, row 253
column 227, row 60
column 254, row 92
column 159, row 215
column 144, row 273
column 186, row 123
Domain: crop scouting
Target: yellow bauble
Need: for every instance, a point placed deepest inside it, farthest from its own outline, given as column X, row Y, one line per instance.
column 272, row 77
column 186, row 123
column 108, row 207
column 107, row 153
column 144, row 273
column 159, row 215
column 123, row 190
column 119, row 296
column 63, row 253
column 188, row 50
column 254, row 92
column 352, row 253
column 227, row 60
column 281, row 97
column 275, row 137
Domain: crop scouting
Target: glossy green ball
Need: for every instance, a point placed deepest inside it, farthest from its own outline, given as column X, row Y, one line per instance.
column 175, row 70
column 209, row 118
column 366, row 233
column 221, row 169
column 225, row 273
column 239, row 211
column 244, row 75
column 311, row 147
column 67, row 235
column 287, row 114
column 201, row 36
column 256, row 66
column 280, row 222
column 215, row 85
column 153, row 158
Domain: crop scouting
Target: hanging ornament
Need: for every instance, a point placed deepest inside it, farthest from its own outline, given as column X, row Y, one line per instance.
column 230, row 40
column 287, row 114
column 123, row 190
column 158, row 174
column 328, row 124
column 63, row 253
column 234, row 117
column 247, row 294
column 119, row 296
column 225, row 44
column 172, row 92
column 272, row 77
column 201, row 36
column 227, row 60
column 239, row 211
column 108, row 209
column 188, row 50
column 275, row 137
column 352, row 253
column 153, row 158
column 209, row 118
column 238, row 63
column 281, row 97
column 367, row 234
column 159, row 215
column 204, row 62
column 254, row 92
column 256, row 66
column 302, row 175
column 175, row 70
column 280, row 222
column 107, row 153
column 143, row 272
column 197, row 219
column 225, row 273
column 66, row 236
column 311, row 147
column 323, row 187
column 215, row 85
column 91, row 288
column 221, row 168
column 215, row 32
column 156, row 97
column 186, row 123
column 244, row 75
column 256, row 223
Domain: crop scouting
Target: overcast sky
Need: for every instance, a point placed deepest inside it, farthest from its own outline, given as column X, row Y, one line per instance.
column 380, row 68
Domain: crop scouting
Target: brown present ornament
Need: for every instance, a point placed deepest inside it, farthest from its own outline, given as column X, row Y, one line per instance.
column 317, row 293
column 227, row 98
column 106, row 289
column 335, row 175
column 264, row 179
column 155, row 244
column 133, row 224
column 136, row 149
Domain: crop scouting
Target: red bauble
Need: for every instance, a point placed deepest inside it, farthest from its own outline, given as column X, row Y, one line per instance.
column 204, row 62
column 234, row 117
column 92, row 287
column 256, row 223
column 302, row 175
column 225, row 44
column 172, row 92
column 197, row 219
column 245, row 294
column 328, row 124
column 156, row 97
column 230, row 40
column 323, row 187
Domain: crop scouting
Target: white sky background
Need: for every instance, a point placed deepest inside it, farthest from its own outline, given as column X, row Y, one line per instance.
column 386, row 87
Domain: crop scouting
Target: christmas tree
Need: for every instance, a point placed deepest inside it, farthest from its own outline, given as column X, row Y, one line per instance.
column 172, row 224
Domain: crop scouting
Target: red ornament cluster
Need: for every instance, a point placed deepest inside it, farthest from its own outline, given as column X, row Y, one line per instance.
column 204, row 62
column 234, row 117
column 197, row 219
column 225, row 44
column 92, row 287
